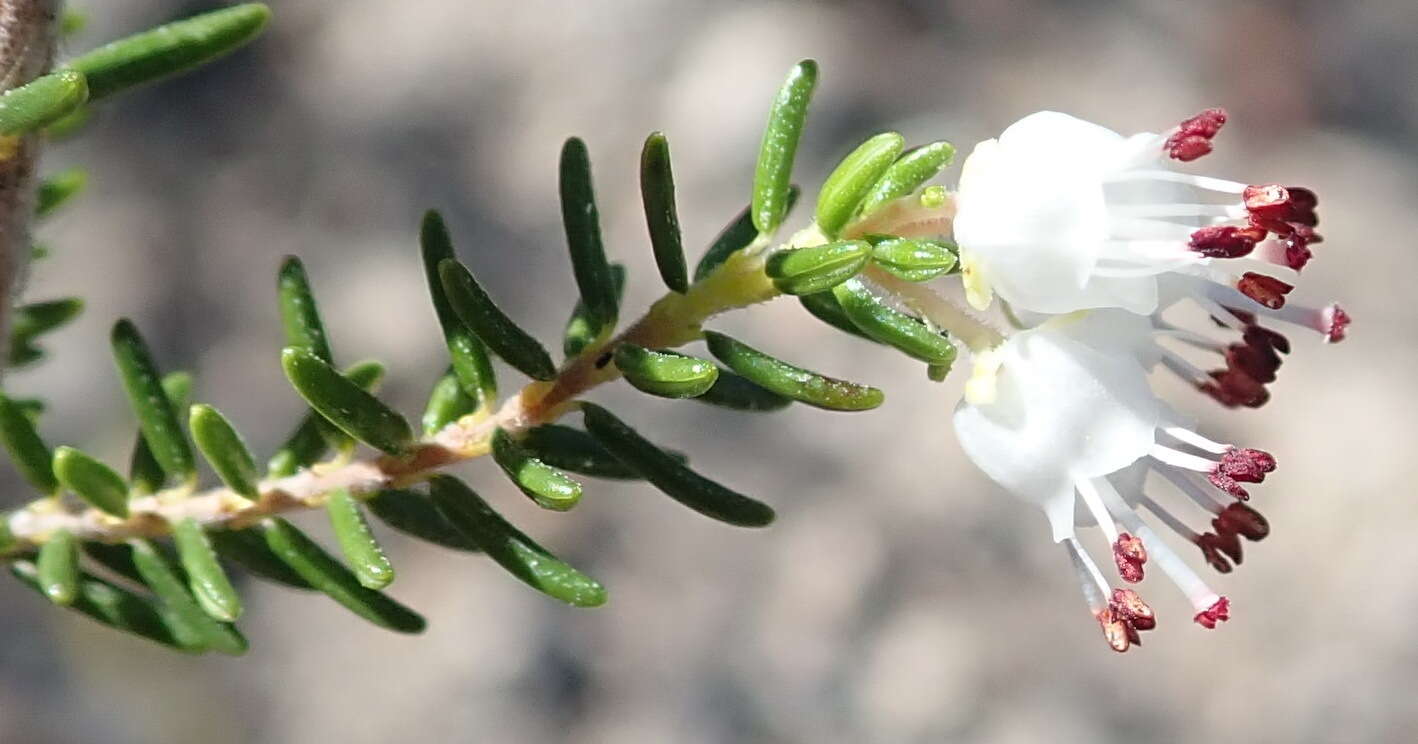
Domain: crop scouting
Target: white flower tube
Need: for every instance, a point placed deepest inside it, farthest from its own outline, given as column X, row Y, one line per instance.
column 1059, row 214
column 1063, row 411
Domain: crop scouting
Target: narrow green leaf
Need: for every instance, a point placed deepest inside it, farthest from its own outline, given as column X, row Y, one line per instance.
column 891, row 327
column 492, row 326
column 583, row 235
column 328, row 575
column 735, row 392
column 574, row 450
column 108, row 605
column 804, row 386
column 937, row 372
column 58, row 189
column 908, row 173
column 91, row 481
column 548, row 487
column 913, row 260
column 191, row 626
column 824, row 307
column 45, row 99
column 67, row 126
column 116, row 557
column 843, row 191
column 225, row 450
column 735, row 237
column 345, row 404
column 671, row 476
column 357, row 542
column 308, row 443
column 511, row 549
column 156, row 415
column 38, row 318
column 205, row 577
column 657, row 192
column 247, row 548
column 446, row 404
column 818, row 268
column 780, row 146
column 144, row 472
column 72, row 22
column 581, row 330
column 414, row 514
column 58, row 565
column 170, row 49
column 666, row 374
column 299, row 314
column 470, row 361
column 31, row 455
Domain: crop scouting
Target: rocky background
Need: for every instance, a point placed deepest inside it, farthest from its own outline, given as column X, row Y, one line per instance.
column 901, row 597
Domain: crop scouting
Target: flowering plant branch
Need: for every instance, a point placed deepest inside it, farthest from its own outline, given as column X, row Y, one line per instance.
column 1079, row 232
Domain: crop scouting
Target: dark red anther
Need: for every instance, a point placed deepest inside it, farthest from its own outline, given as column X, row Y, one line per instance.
column 1126, row 604
column 1129, row 555
column 1227, row 542
column 1302, row 206
column 1257, row 362
column 1232, row 387
column 1223, row 241
column 1260, row 336
column 1267, row 202
column 1336, row 323
column 1193, row 137
column 1241, row 519
column 1212, row 553
column 1228, row 485
column 1246, row 464
column 1218, row 612
column 1115, row 630
column 1297, row 254
column 1267, row 290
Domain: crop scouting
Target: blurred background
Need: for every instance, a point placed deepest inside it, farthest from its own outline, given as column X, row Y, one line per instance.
column 900, row 597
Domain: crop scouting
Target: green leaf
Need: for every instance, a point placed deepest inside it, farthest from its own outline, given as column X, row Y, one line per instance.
column 501, row 335
column 470, row 361
column 414, row 514
column 58, row 565
column 511, row 549
column 937, row 372
column 818, row 268
column 847, row 187
column 804, row 386
column 357, row 542
column 446, row 404
column 58, row 189
column 581, row 330
column 824, row 307
column 780, row 146
column 328, row 575
column 657, row 192
column 116, row 557
column 908, row 173
column 299, row 315
column 737, row 393
column 574, row 450
column 109, row 605
column 735, row 237
column 913, row 260
column 225, row 450
column 548, row 487
column 665, row 373
column 205, row 577
column 672, row 476
column 156, row 415
column 247, row 548
column 345, row 404
column 144, row 471
column 307, row 444
column 169, row 49
column 38, row 318
column 31, row 455
column 583, row 235
column 891, row 327
column 92, row 481
column 72, row 22
column 45, row 99
column 191, row 625
column 67, row 126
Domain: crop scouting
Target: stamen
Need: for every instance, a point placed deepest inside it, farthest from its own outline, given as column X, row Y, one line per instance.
column 1183, row 481
column 1192, row 139
column 1090, row 579
column 1224, row 241
column 1188, row 436
column 1168, row 518
column 1266, row 290
column 1202, row 182
column 1094, row 502
column 1183, row 368
column 1229, row 211
column 1244, row 521
column 1129, row 555
column 1128, row 605
column 1180, row 459
column 1217, row 612
column 1247, row 465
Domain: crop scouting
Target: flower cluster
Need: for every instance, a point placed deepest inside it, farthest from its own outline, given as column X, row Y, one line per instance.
column 1088, row 237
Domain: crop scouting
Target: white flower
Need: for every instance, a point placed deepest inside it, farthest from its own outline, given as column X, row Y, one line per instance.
column 1065, row 410
column 1059, row 214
